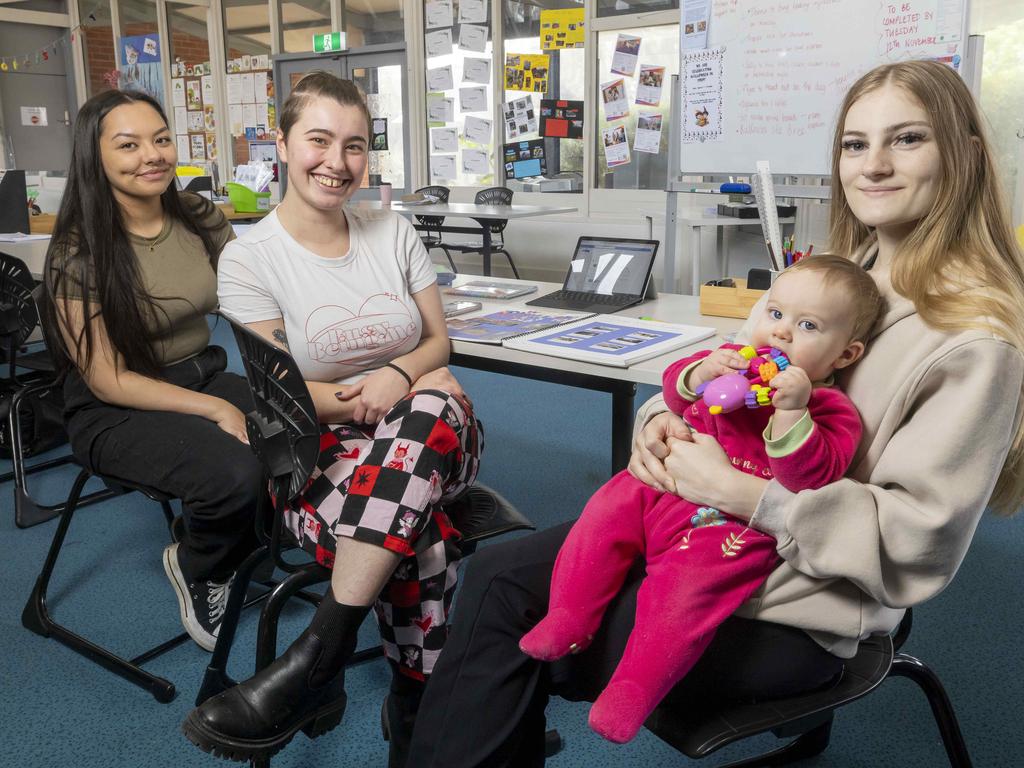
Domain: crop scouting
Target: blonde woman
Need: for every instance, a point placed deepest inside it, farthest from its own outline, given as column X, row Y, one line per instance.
column 917, row 203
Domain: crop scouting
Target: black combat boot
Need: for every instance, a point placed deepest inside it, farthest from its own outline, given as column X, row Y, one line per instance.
column 303, row 689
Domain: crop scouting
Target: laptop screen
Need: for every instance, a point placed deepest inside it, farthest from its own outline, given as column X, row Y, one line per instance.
column 611, row 266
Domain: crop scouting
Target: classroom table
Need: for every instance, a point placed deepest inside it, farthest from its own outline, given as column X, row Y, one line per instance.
column 32, row 252
column 483, row 215
column 621, row 383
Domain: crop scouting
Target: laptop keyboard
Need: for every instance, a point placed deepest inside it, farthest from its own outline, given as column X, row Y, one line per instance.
column 584, row 297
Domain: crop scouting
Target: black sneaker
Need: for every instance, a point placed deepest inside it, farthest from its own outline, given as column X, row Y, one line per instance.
column 201, row 603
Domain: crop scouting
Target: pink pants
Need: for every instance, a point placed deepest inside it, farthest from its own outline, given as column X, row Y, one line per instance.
column 701, row 565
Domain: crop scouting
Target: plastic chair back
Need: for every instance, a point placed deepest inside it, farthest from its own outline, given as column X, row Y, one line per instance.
column 18, row 313
column 495, row 196
column 283, row 428
column 441, row 193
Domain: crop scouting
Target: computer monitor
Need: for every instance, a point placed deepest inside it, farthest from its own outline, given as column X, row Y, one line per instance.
column 13, row 202
column 524, row 159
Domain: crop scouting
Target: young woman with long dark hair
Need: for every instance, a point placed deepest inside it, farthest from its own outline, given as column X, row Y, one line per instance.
column 130, row 276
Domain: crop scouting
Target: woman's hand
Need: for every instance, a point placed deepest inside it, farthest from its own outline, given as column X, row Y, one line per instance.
column 231, row 420
column 377, row 393
column 703, row 474
column 650, row 448
column 440, row 378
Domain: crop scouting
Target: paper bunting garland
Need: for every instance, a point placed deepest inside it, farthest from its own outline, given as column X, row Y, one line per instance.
column 25, row 60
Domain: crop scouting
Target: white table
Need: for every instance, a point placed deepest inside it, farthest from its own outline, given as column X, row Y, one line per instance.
column 32, row 252
column 483, row 215
column 698, row 221
column 619, row 382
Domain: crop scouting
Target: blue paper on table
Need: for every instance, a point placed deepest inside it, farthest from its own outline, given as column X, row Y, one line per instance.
column 499, row 326
column 611, row 339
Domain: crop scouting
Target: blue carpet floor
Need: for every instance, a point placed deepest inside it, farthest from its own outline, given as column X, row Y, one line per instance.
column 547, row 450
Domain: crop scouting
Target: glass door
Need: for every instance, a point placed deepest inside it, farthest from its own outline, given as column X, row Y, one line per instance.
column 381, row 76
column 380, row 73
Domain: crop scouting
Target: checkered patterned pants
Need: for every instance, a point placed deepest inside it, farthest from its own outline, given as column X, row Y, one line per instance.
column 387, row 486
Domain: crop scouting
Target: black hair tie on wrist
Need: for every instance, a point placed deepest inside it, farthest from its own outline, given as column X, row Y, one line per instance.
column 405, row 375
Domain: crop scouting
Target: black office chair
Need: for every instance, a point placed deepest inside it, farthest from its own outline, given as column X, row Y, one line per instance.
column 697, row 730
column 431, row 241
column 22, row 394
column 492, row 196
column 18, row 319
column 284, row 433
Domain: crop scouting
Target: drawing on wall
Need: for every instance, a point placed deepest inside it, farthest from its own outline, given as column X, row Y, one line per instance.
column 140, row 65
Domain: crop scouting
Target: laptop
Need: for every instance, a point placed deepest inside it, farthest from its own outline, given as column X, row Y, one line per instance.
column 606, row 274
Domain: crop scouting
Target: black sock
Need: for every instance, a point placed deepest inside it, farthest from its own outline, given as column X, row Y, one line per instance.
column 337, row 627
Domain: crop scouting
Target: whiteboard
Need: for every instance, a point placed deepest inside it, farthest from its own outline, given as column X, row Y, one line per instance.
column 785, row 67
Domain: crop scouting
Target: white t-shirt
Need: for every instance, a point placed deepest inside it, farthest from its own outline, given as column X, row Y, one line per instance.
column 344, row 317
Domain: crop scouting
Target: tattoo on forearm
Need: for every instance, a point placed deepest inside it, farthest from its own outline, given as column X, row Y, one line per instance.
column 280, row 337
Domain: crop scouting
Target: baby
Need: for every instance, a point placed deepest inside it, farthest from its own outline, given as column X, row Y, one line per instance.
column 702, row 564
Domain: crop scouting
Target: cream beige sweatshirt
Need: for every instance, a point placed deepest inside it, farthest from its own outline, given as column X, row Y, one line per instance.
column 939, row 412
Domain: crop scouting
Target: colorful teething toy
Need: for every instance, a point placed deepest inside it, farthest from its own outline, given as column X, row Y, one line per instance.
column 733, row 390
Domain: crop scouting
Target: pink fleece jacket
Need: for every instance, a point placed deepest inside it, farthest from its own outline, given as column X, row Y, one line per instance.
column 814, row 452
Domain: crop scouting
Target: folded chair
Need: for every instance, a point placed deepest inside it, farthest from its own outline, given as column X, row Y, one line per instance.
column 491, row 196
column 19, row 318
column 284, row 432
column 431, row 241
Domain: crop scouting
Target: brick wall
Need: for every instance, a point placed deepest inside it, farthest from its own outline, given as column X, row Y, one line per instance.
column 99, row 52
column 101, row 58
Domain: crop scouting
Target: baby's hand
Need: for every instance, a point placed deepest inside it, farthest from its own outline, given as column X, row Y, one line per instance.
column 792, row 389
column 718, row 363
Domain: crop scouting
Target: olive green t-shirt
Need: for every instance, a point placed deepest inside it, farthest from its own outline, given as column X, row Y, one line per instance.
column 180, row 276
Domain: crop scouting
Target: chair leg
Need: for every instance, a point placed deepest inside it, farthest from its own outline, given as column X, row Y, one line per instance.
column 216, row 678
column 904, row 665
column 37, row 619
column 510, row 262
column 804, row 746
column 169, row 517
column 451, row 261
column 266, row 639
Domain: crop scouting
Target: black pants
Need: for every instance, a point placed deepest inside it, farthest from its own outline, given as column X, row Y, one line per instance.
column 484, row 704
column 217, row 477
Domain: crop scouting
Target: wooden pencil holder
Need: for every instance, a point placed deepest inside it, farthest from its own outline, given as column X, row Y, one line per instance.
column 728, row 302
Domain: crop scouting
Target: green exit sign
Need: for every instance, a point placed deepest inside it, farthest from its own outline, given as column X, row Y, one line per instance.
column 329, row 42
